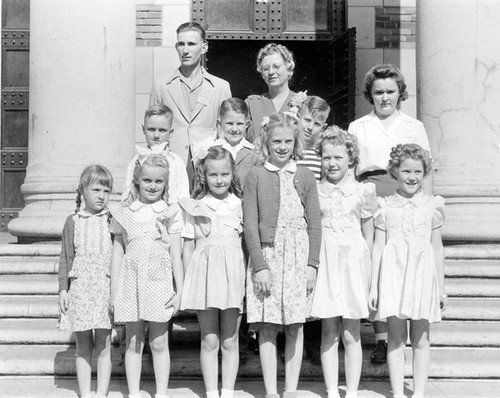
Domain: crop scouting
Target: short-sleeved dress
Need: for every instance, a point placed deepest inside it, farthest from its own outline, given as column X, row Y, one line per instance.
column 215, row 277
column 89, row 292
column 287, row 258
column 145, row 281
column 409, row 280
column 343, row 279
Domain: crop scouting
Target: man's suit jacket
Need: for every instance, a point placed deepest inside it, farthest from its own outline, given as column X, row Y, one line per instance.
column 194, row 129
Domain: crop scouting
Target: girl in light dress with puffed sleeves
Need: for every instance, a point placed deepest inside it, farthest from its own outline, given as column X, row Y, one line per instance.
column 146, row 270
column 407, row 260
column 215, row 266
column 341, row 293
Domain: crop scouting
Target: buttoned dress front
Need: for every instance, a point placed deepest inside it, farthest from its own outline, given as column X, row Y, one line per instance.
column 145, row 282
column 409, row 281
column 344, row 271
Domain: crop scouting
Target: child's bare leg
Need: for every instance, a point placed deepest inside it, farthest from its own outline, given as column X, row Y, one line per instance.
column 294, row 345
column 158, row 341
column 133, row 355
column 84, row 347
column 209, row 330
column 396, row 353
column 419, row 337
column 353, row 353
column 268, row 362
column 229, row 326
column 330, row 334
column 103, row 353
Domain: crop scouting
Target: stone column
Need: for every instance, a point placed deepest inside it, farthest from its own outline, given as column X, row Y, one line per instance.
column 458, row 66
column 82, row 104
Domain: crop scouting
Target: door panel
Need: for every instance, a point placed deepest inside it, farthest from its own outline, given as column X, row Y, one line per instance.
column 14, row 107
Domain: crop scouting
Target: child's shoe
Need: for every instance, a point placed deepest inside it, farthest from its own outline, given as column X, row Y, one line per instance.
column 351, row 394
column 226, row 393
column 213, row 394
column 333, row 393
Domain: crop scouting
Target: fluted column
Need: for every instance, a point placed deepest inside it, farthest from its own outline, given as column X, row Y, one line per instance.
column 82, row 64
column 458, row 60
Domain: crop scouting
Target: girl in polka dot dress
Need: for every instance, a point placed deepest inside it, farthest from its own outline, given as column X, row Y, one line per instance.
column 215, row 269
column 84, row 268
column 146, row 272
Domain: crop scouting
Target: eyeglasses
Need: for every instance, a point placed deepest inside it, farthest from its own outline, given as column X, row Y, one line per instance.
column 273, row 68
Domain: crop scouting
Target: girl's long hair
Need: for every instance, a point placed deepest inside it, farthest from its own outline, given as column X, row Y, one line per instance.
column 152, row 160
column 200, row 178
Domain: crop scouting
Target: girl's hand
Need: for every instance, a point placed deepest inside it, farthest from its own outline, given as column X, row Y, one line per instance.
column 373, row 300
column 174, row 302
column 262, row 282
column 311, row 279
column 63, row 301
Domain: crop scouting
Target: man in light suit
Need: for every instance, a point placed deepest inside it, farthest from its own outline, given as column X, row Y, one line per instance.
column 193, row 94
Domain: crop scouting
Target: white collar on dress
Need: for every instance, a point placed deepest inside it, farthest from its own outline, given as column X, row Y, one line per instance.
column 347, row 185
column 85, row 213
column 213, row 203
column 291, row 167
column 157, row 207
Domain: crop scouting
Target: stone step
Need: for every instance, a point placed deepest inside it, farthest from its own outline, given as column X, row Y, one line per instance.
column 472, row 287
column 447, row 333
column 44, row 331
column 49, row 249
column 46, row 284
column 472, row 268
column 67, row 387
column 27, row 306
column 59, row 360
column 29, row 265
column 472, row 251
column 29, row 284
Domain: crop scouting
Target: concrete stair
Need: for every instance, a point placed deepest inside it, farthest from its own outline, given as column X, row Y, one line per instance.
column 465, row 345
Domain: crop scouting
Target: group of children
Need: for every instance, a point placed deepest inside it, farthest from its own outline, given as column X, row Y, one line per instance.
column 326, row 250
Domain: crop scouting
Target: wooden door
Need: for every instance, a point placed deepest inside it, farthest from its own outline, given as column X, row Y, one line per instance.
column 314, row 30
column 14, row 108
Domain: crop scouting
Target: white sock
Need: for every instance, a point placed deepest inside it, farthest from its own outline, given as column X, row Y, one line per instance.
column 213, row 394
column 333, row 393
column 351, row 394
column 381, row 336
column 134, row 395
column 226, row 393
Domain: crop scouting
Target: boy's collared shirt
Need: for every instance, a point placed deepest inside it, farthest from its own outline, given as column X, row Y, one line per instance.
column 233, row 150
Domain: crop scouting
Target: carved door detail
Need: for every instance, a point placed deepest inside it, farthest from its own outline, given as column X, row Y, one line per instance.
column 14, row 108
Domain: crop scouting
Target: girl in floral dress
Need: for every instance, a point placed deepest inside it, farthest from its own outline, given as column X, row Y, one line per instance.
column 408, row 265
column 84, row 269
column 341, row 294
column 146, row 272
column 283, row 235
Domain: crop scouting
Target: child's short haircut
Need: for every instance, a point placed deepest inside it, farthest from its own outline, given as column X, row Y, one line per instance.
column 401, row 152
column 93, row 174
column 159, row 110
column 194, row 26
column 317, row 107
column 234, row 104
column 335, row 136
